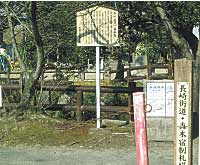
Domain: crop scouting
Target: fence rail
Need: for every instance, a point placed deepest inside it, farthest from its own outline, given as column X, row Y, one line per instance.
column 79, row 107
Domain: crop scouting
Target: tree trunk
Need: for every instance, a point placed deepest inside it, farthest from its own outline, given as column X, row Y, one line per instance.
column 181, row 43
column 1, row 36
column 30, row 78
column 27, row 89
column 120, row 68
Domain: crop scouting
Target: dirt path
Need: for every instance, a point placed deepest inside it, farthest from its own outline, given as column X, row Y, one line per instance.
column 113, row 146
column 61, row 156
column 159, row 153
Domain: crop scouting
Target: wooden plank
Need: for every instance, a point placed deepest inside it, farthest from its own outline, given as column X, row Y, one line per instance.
column 183, row 112
column 105, row 108
column 79, row 104
column 84, row 88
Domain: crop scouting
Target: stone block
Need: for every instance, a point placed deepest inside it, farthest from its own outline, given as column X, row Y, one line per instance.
column 160, row 128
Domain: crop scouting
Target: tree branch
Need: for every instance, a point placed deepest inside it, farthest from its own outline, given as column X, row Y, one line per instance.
column 38, row 41
column 9, row 10
column 15, row 47
column 178, row 40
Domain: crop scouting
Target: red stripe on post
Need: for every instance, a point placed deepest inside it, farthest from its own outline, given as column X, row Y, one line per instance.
column 140, row 128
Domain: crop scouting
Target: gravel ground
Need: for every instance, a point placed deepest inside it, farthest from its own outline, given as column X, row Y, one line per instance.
column 159, row 154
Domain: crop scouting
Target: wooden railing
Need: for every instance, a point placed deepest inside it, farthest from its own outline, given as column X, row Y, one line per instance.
column 79, row 107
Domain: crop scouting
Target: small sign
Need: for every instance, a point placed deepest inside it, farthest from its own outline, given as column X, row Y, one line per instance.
column 0, row 96
column 182, row 121
column 160, row 95
column 97, row 26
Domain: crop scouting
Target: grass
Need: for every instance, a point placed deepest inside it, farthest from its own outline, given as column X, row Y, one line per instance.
column 46, row 131
column 43, row 131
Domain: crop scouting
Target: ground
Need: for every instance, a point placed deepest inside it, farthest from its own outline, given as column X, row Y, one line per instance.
column 41, row 140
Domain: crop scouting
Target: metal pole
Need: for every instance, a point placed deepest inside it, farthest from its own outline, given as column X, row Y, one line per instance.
column 140, row 129
column 98, row 86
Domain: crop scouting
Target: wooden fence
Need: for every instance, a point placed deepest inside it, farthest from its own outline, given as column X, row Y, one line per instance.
column 79, row 107
column 13, row 81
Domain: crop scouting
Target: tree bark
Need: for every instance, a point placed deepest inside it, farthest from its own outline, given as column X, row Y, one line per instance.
column 29, row 77
column 182, row 44
column 120, row 68
column 38, row 41
column 178, row 40
column 13, row 39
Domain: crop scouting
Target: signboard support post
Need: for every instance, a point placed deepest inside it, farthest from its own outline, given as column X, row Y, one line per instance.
column 183, row 112
column 98, row 86
column 97, row 26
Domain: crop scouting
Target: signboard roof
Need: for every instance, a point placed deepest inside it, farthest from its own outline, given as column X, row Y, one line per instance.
column 97, row 26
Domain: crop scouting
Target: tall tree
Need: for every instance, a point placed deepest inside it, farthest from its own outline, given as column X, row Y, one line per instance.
column 30, row 77
column 180, row 30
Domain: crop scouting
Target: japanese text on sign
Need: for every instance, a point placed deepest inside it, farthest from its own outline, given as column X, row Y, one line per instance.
column 97, row 26
column 160, row 95
column 182, row 123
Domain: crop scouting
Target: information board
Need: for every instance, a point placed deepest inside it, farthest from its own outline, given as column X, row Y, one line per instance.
column 160, row 95
column 97, row 26
column 182, row 129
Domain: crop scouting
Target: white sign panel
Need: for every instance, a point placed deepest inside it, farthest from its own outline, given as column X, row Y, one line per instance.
column 169, row 91
column 97, row 26
column 182, row 123
column 0, row 96
column 160, row 95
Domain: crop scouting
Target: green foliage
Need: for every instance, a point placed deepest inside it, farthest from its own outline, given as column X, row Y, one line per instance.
column 89, row 98
column 115, row 99
column 106, row 99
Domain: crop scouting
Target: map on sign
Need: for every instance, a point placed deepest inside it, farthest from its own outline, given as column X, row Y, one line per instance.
column 160, row 95
column 97, row 26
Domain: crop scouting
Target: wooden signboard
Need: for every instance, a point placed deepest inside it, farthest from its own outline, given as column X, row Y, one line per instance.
column 182, row 123
column 183, row 112
column 97, row 26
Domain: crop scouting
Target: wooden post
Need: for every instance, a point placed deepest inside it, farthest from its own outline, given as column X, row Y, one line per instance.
column 50, row 99
column 8, row 76
column 21, row 83
column 79, row 104
column 140, row 129
column 170, row 71
column 148, row 71
column 128, row 73
column 183, row 112
column 131, row 86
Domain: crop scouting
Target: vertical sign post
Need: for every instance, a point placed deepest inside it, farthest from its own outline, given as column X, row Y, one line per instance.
column 0, row 96
column 97, row 26
column 182, row 135
column 183, row 112
column 98, row 86
column 140, row 129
